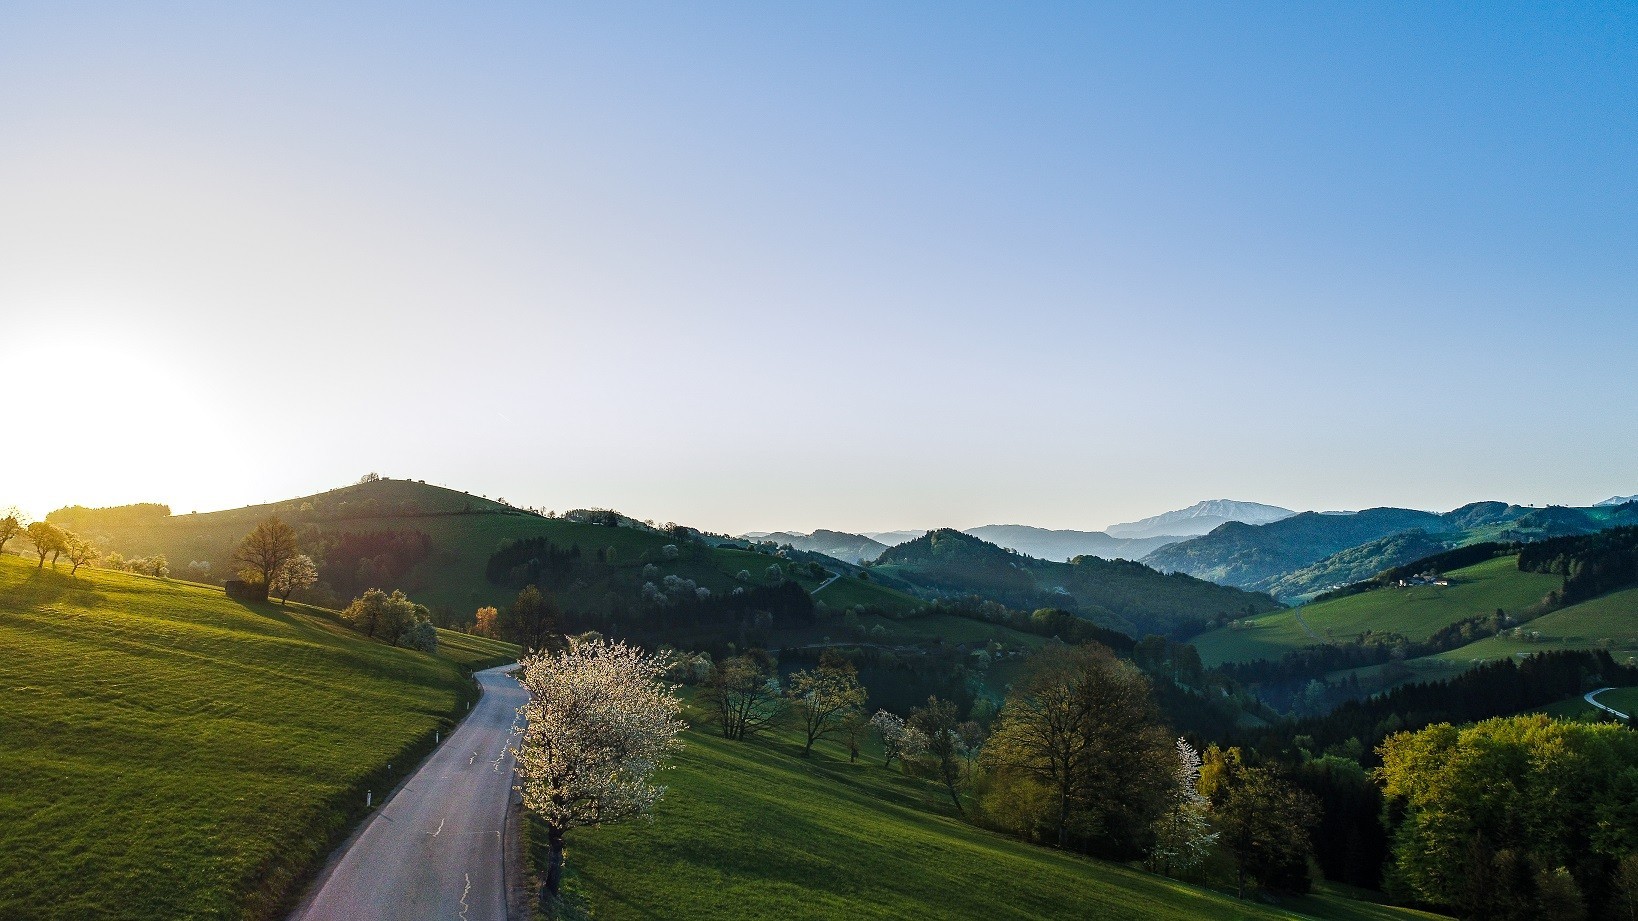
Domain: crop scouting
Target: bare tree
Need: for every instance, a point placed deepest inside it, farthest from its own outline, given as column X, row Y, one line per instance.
column 264, row 550
column 744, row 693
column 11, row 525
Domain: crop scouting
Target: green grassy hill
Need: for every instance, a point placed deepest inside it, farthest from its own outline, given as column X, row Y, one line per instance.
column 1607, row 622
column 169, row 753
column 462, row 532
column 753, row 830
column 1416, row 612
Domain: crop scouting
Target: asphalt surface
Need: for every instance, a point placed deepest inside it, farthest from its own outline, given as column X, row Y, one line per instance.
column 436, row 850
column 1588, row 697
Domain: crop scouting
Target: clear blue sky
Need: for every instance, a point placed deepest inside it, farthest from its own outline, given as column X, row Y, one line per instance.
column 793, row 266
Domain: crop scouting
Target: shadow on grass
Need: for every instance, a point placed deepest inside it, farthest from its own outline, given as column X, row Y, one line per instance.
column 48, row 586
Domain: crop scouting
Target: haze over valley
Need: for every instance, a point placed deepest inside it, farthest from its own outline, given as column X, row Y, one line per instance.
column 827, row 461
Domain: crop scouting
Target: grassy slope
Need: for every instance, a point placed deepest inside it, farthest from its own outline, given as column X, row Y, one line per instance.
column 452, row 578
column 848, row 592
column 1416, row 612
column 1579, row 626
column 753, row 830
column 169, row 753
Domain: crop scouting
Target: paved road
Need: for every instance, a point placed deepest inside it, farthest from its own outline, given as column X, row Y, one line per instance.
column 821, row 586
column 435, row 850
column 1592, row 694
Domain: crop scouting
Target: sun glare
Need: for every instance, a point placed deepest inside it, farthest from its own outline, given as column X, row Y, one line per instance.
column 123, row 422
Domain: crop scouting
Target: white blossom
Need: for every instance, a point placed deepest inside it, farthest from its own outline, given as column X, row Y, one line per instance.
column 1183, row 835
column 600, row 722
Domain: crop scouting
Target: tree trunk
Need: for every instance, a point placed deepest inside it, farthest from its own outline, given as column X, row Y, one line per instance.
column 552, row 885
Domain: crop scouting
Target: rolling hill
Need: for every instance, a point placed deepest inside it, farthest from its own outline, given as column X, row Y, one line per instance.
column 754, row 830
column 170, row 753
column 435, row 544
column 1356, row 564
column 1046, row 544
column 849, row 548
column 1294, row 557
column 1608, row 622
column 1119, row 594
column 1415, row 612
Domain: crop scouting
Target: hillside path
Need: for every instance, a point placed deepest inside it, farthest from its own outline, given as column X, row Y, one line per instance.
column 1589, row 698
column 1304, row 625
column 437, row 849
column 825, row 584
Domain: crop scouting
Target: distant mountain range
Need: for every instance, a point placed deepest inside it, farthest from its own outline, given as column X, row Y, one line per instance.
column 1066, row 545
column 1263, row 548
column 1200, row 518
column 1118, row 594
column 849, row 548
column 1297, row 557
column 1131, row 541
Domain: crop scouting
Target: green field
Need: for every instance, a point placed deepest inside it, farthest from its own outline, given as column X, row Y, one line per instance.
column 169, row 753
column 753, row 831
column 1415, row 612
column 1612, row 618
column 848, row 592
column 1623, row 699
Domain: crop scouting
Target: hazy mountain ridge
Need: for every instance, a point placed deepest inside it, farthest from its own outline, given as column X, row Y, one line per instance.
column 1120, row 594
column 1199, row 518
column 849, row 548
column 1050, row 544
column 1295, row 557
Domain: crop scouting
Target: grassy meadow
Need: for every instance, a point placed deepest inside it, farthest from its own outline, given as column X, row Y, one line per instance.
column 1416, row 612
column 1607, row 622
column 752, row 830
column 169, row 753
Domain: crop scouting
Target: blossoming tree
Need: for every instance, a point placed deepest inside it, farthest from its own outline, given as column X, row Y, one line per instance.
column 600, row 722
column 1183, row 835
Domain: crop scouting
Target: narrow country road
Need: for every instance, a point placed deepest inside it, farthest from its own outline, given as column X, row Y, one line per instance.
column 436, row 850
column 1590, row 698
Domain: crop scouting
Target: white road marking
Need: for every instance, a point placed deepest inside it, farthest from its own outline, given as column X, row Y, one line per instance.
column 440, row 827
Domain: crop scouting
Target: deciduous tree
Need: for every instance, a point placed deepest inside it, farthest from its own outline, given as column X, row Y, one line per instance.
column 294, row 575
column 80, row 551
column 940, row 725
column 263, row 551
column 600, row 723
column 743, row 693
column 11, row 525
column 1264, row 822
column 47, row 541
column 1081, row 727
column 899, row 739
column 824, row 697
column 533, row 620
column 1183, row 835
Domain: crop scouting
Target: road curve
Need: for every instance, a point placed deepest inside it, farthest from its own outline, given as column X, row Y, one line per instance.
column 436, row 850
column 1590, row 698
